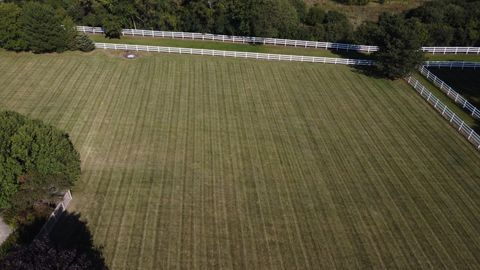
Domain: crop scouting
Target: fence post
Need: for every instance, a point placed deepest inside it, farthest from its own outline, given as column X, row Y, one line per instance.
column 471, row 133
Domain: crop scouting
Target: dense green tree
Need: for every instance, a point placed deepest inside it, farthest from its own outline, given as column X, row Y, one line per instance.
column 366, row 33
column 42, row 27
column 315, row 16
column 29, row 146
column 197, row 16
column 112, row 27
column 11, row 34
column 399, row 42
column 337, row 27
column 450, row 22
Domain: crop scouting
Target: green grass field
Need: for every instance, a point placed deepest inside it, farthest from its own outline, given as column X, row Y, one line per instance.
column 210, row 163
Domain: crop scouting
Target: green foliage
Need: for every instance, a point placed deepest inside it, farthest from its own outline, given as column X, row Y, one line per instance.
column 70, row 32
column 84, row 43
column 399, row 42
column 112, row 27
column 354, row 2
column 43, row 31
column 11, row 37
column 315, row 16
column 30, row 148
column 450, row 22
column 37, row 188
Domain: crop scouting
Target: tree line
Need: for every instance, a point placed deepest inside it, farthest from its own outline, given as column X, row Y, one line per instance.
column 39, row 28
column 449, row 22
column 46, row 26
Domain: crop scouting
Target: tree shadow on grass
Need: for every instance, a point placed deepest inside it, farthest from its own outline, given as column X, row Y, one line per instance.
column 68, row 246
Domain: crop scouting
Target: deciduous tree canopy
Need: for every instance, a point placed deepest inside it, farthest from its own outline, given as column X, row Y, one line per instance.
column 29, row 147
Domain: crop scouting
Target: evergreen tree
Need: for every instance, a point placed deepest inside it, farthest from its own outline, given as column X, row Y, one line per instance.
column 399, row 41
column 84, row 43
column 42, row 27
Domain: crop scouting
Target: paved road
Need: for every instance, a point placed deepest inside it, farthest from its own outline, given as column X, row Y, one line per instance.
column 5, row 231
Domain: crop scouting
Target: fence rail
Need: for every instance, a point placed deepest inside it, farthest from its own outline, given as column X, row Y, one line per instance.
column 272, row 41
column 454, row 120
column 236, row 39
column 450, row 92
column 452, row 64
column 452, row 50
column 56, row 214
column 262, row 56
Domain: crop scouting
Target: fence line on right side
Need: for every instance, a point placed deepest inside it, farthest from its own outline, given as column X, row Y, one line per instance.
column 446, row 113
column 452, row 64
column 451, row 93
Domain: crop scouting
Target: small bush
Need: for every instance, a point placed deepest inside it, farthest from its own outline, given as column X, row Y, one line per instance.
column 84, row 43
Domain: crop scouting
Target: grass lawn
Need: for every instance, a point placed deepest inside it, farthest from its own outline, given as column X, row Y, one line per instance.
column 210, row 163
column 228, row 46
column 453, row 57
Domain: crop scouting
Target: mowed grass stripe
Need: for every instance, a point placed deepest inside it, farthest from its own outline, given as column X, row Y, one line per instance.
column 201, row 163
column 388, row 135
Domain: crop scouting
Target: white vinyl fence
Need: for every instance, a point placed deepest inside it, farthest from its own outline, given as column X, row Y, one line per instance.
column 450, row 92
column 452, row 50
column 236, row 39
column 454, row 120
column 272, row 41
column 56, row 214
column 262, row 56
column 452, row 64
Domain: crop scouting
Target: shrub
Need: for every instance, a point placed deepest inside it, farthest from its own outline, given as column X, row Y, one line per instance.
column 84, row 43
